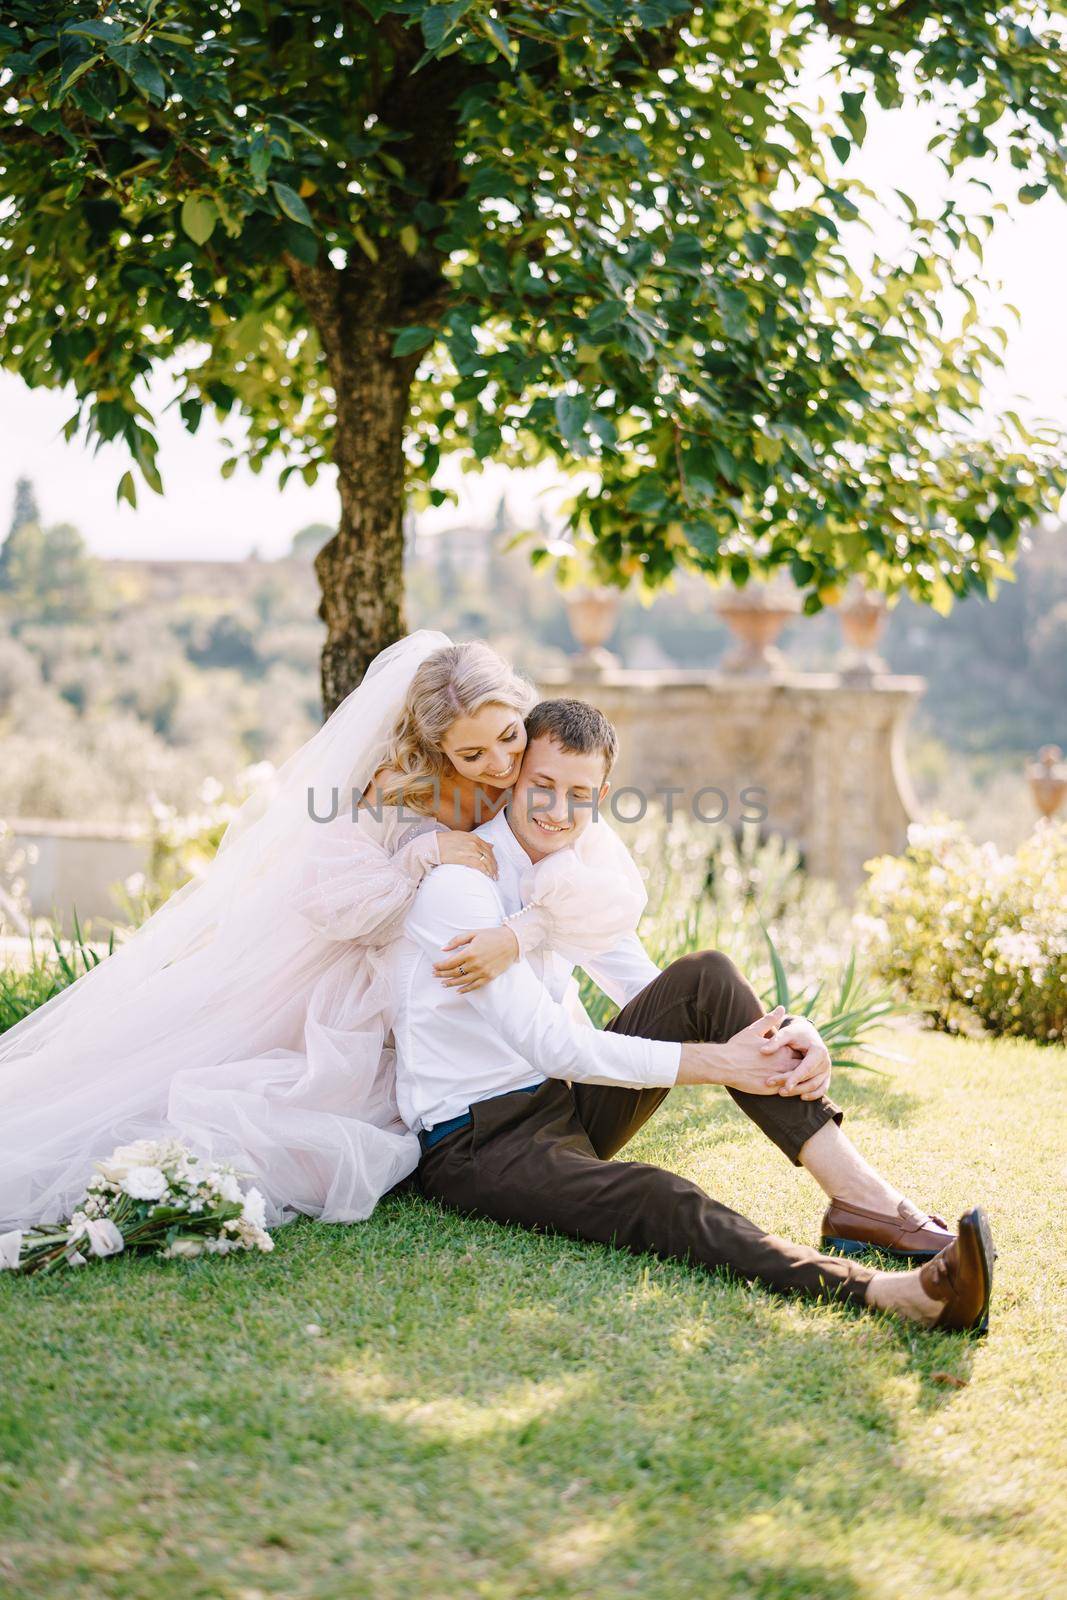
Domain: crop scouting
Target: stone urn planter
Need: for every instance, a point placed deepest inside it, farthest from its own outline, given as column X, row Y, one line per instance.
column 756, row 616
column 1047, row 777
column 862, row 621
column 592, row 615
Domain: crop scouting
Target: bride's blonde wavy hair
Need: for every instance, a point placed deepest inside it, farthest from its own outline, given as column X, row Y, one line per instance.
column 455, row 681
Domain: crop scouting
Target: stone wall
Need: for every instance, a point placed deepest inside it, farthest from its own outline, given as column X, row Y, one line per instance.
column 76, row 867
column 828, row 753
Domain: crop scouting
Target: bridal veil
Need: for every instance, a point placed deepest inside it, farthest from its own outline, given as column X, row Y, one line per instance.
column 232, row 1019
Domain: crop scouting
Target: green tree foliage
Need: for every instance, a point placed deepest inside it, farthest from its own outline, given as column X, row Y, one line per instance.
column 26, row 508
column 380, row 232
column 309, row 540
column 22, row 564
column 47, row 574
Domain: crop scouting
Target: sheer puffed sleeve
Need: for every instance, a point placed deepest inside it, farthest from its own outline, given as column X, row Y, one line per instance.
column 351, row 885
column 581, row 901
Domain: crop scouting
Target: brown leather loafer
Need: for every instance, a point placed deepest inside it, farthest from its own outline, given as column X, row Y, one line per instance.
column 962, row 1276
column 904, row 1233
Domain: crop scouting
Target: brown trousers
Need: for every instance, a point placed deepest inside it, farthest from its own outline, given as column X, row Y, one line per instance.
column 544, row 1160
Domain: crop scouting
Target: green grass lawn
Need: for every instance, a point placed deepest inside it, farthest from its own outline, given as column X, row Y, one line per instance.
column 490, row 1413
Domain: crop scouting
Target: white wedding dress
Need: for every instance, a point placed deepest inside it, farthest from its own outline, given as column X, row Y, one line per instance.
column 247, row 1016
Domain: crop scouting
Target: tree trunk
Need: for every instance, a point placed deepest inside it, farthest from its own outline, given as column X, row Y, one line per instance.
column 360, row 570
column 356, row 311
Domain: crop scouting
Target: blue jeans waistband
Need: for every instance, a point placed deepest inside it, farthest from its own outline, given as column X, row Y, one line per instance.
column 428, row 1137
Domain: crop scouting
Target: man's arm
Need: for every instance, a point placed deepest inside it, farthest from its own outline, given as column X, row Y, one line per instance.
column 793, row 1052
column 623, row 971
column 517, row 1006
column 520, row 1009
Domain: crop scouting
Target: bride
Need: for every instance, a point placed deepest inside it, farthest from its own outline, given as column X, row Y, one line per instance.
column 246, row 1017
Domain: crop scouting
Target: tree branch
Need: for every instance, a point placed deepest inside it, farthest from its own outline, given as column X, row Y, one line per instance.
column 844, row 27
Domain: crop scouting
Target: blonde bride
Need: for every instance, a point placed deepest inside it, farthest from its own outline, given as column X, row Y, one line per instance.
column 246, row 1017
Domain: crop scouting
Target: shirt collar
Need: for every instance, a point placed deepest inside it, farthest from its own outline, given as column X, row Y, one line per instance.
column 499, row 834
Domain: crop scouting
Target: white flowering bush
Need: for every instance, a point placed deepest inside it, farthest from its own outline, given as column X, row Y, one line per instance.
column 709, row 889
column 971, row 935
column 154, row 1195
column 183, row 844
column 14, row 900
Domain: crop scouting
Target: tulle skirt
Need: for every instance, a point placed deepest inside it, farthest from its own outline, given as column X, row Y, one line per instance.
column 311, row 1120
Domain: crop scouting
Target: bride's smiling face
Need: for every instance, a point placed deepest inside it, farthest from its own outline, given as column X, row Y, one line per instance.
column 487, row 746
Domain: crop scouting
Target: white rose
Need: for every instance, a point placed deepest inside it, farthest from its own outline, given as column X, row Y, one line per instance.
column 145, row 1183
column 229, row 1188
column 254, row 1211
column 171, row 1152
column 118, row 1163
column 185, row 1248
column 104, row 1238
column 114, row 1169
column 10, row 1249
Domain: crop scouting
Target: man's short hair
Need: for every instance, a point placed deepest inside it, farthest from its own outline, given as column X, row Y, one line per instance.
column 576, row 727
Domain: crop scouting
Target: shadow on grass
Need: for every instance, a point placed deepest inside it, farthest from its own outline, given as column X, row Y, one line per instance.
column 879, row 1097
column 620, row 1390
column 705, row 1118
column 485, row 1411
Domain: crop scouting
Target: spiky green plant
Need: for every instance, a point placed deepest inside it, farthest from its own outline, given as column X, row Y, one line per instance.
column 48, row 972
column 726, row 892
column 846, row 1017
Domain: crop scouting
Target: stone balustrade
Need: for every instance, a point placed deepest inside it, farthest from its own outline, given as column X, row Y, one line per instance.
column 76, row 866
column 827, row 752
column 824, row 755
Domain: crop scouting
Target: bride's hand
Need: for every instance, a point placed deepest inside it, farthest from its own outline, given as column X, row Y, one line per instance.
column 479, row 958
column 459, row 849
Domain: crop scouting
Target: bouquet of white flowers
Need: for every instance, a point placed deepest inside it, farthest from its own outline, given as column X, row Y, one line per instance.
column 152, row 1195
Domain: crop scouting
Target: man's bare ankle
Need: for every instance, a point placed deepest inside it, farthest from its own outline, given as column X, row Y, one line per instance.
column 903, row 1294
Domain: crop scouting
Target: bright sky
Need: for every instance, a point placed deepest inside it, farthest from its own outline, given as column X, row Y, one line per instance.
column 204, row 516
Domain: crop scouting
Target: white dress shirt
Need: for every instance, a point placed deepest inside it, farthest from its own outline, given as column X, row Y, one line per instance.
column 453, row 1049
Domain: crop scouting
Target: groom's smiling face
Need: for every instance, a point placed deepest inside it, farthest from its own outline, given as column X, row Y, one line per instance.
column 555, row 794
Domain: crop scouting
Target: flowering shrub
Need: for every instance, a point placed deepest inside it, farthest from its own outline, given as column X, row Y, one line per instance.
column 14, row 904
column 154, row 1195
column 709, row 889
column 970, row 934
column 184, row 845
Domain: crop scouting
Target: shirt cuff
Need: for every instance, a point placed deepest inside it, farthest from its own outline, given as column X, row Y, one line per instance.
column 666, row 1062
column 530, row 927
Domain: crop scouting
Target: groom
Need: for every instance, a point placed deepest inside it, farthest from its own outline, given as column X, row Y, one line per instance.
column 520, row 1108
